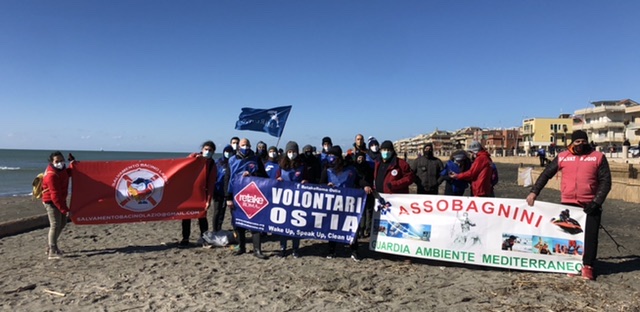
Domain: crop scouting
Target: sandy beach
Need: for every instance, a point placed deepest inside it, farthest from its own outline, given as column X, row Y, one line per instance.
column 138, row 267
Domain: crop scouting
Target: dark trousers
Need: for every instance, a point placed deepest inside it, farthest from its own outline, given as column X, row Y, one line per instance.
column 186, row 227
column 353, row 246
column 364, row 229
column 294, row 241
column 242, row 239
column 591, row 232
column 218, row 213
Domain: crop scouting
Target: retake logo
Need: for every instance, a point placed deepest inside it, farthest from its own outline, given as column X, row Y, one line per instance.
column 139, row 190
column 251, row 200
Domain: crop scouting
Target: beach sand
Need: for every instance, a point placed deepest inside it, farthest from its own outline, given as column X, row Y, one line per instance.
column 137, row 267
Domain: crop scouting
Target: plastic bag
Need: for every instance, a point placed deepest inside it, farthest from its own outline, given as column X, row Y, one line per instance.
column 219, row 239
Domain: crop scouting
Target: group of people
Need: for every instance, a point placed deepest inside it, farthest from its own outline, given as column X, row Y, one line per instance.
column 371, row 166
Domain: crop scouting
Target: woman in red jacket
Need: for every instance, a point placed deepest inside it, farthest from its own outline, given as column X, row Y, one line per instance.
column 480, row 174
column 55, row 188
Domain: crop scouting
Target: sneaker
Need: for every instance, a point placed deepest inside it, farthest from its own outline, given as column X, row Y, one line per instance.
column 239, row 252
column 282, row 254
column 586, row 273
column 295, row 254
column 200, row 241
column 331, row 255
column 53, row 255
column 355, row 256
column 184, row 243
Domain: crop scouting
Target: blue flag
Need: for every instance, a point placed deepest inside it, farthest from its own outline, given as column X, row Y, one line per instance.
column 271, row 121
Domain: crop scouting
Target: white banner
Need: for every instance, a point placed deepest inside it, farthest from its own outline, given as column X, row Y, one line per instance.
column 497, row 232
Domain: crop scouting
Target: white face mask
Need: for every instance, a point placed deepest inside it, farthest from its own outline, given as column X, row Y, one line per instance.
column 234, row 146
column 326, row 148
column 227, row 155
column 292, row 156
column 374, row 148
column 272, row 154
column 206, row 153
column 59, row 165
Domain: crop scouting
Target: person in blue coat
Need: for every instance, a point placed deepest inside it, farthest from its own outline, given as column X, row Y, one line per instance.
column 243, row 164
column 337, row 174
column 458, row 162
column 293, row 169
column 222, row 184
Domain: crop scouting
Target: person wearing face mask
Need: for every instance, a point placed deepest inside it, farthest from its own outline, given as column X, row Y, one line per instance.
column 373, row 153
column 234, row 143
column 365, row 171
column 458, row 162
column 326, row 145
column 271, row 163
column 426, row 169
column 261, row 151
column 293, row 169
column 55, row 188
column 243, row 164
column 585, row 183
column 338, row 174
column 222, row 184
column 391, row 175
column 480, row 174
column 207, row 150
column 312, row 164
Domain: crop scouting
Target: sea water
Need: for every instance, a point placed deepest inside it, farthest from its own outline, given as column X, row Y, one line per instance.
column 18, row 168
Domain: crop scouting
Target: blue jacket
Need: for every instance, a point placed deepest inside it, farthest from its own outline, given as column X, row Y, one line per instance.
column 271, row 167
column 293, row 175
column 457, row 186
column 238, row 164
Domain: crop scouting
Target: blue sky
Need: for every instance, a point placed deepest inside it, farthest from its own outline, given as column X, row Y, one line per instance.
column 168, row 75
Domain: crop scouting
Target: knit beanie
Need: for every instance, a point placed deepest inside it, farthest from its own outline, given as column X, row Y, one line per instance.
column 291, row 146
column 387, row 145
column 327, row 140
column 372, row 141
column 335, row 150
column 579, row 134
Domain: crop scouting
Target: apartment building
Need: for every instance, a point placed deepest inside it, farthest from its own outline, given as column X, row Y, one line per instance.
column 608, row 122
column 546, row 132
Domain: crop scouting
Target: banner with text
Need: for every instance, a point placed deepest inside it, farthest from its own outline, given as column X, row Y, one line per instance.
column 298, row 210
column 139, row 190
column 497, row 232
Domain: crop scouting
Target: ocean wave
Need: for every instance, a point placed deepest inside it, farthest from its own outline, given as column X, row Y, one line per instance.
column 9, row 168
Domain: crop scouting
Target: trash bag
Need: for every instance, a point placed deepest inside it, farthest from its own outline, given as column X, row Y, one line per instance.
column 219, row 239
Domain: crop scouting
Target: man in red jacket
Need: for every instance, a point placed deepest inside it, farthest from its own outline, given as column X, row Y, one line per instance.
column 585, row 182
column 480, row 172
column 391, row 175
column 55, row 188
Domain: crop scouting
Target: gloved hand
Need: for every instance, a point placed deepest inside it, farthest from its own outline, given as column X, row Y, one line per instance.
column 592, row 208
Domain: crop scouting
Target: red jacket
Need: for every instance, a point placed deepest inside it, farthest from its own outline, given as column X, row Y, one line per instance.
column 55, row 187
column 479, row 175
column 398, row 176
column 579, row 181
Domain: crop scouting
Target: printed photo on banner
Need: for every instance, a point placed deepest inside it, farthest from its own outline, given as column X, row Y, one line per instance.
column 298, row 210
column 498, row 232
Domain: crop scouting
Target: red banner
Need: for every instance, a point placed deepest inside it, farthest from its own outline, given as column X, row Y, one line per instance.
column 139, row 190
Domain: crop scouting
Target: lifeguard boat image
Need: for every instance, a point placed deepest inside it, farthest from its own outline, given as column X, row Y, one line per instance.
column 567, row 224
